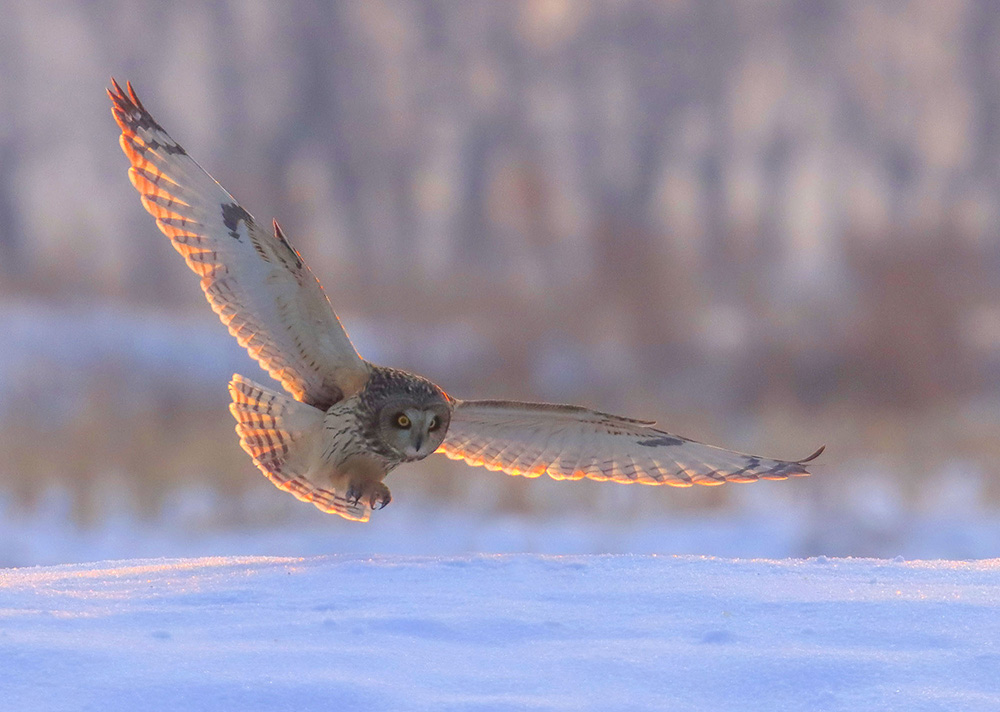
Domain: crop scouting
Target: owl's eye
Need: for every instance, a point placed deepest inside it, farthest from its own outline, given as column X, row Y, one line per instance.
column 433, row 425
column 402, row 420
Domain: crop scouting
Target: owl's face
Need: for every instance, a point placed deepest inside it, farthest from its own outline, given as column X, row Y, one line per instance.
column 414, row 429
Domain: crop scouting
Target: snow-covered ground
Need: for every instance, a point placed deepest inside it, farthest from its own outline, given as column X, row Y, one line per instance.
column 511, row 632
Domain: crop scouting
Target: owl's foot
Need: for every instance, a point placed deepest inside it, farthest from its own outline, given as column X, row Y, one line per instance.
column 376, row 493
column 380, row 496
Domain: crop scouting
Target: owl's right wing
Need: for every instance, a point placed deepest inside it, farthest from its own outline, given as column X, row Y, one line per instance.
column 568, row 442
column 255, row 281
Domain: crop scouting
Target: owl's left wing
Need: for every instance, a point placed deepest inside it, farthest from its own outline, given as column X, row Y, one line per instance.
column 568, row 442
column 254, row 280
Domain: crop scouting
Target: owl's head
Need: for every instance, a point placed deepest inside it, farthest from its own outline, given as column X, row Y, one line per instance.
column 411, row 414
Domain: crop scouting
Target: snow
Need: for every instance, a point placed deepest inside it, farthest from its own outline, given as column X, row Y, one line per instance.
column 502, row 632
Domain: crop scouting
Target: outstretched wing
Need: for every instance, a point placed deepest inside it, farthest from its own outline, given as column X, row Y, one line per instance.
column 254, row 280
column 567, row 442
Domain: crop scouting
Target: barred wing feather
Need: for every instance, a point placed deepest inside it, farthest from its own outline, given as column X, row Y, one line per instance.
column 568, row 442
column 253, row 278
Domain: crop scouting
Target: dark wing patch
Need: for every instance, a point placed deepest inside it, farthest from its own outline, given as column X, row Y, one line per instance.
column 664, row 440
column 232, row 215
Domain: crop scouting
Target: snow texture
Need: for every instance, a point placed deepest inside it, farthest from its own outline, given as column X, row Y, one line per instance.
column 511, row 632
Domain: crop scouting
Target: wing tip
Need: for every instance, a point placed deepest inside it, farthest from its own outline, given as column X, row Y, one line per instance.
column 811, row 457
column 119, row 98
column 130, row 115
column 127, row 94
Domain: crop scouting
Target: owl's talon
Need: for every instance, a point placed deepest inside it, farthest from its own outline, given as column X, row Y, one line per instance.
column 353, row 495
column 376, row 494
column 380, row 497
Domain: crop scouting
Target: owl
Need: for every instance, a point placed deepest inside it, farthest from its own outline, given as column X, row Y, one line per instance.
column 345, row 423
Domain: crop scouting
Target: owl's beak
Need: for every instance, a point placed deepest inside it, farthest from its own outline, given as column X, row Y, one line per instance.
column 416, row 440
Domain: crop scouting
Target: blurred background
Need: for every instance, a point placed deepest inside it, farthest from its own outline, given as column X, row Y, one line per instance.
column 767, row 225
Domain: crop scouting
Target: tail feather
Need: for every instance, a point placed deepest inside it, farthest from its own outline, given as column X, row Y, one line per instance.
column 284, row 438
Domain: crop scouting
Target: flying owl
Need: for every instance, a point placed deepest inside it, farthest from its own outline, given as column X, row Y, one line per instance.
column 347, row 422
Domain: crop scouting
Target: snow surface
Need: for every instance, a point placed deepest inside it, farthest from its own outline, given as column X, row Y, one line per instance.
column 510, row 632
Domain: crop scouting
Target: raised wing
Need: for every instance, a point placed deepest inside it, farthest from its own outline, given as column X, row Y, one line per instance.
column 254, row 280
column 570, row 443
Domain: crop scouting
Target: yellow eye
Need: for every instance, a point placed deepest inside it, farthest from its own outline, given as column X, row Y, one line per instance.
column 402, row 421
column 433, row 425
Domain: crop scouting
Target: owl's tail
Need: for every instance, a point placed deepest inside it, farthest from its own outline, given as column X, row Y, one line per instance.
column 285, row 439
